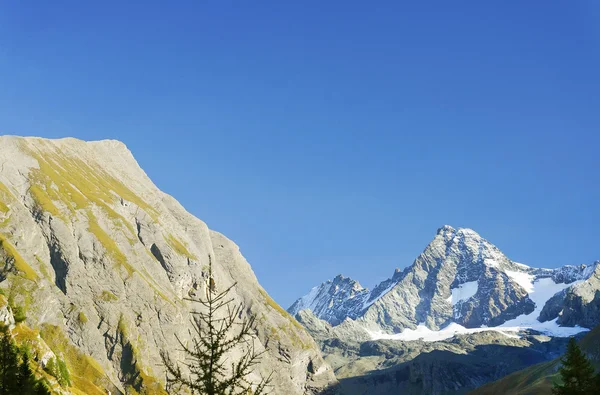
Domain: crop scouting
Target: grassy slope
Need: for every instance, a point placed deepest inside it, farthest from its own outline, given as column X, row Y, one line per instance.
column 538, row 379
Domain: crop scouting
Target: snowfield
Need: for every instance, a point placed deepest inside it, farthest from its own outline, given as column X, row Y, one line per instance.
column 463, row 292
column 540, row 291
column 523, row 279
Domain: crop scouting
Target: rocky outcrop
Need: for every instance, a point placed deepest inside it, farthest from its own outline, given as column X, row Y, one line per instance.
column 101, row 261
column 577, row 305
column 334, row 300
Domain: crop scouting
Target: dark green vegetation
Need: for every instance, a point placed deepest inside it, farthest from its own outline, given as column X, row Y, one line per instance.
column 576, row 373
column 545, row 377
column 16, row 374
column 218, row 331
column 442, row 371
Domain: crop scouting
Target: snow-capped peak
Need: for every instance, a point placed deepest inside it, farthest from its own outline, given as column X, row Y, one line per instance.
column 459, row 279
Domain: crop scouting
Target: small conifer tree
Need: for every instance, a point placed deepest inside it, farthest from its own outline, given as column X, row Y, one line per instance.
column 218, row 328
column 576, row 372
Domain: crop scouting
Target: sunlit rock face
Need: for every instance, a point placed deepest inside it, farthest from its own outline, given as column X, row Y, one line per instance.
column 103, row 261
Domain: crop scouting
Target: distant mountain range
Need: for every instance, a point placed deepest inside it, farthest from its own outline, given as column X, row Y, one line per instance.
column 462, row 283
column 462, row 315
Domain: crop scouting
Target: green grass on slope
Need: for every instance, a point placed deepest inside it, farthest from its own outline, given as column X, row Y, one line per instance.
column 540, row 378
column 536, row 379
column 590, row 344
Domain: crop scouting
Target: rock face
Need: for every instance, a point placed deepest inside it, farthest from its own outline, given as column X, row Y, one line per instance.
column 101, row 261
column 459, row 278
column 576, row 305
column 334, row 301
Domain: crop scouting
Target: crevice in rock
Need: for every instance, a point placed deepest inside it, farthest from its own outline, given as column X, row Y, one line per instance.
column 138, row 226
column 158, row 255
column 61, row 268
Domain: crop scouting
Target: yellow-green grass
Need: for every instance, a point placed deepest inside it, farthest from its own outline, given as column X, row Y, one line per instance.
column 108, row 296
column 149, row 384
column 6, row 197
column 536, row 379
column 179, row 247
column 3, row 207
column 5, row 192
column 20, row 265
column 270, row 302
column 86, row 373
column 82, row 318
column 290, row 332
column 77, row 182
column 108, row 243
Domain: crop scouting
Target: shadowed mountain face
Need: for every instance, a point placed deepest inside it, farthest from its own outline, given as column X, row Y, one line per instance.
column 453, row 366
column 101, row 261
column 443, row 372
column 539, row 379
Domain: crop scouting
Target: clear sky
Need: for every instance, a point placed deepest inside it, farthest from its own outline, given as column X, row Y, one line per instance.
column 330, row 137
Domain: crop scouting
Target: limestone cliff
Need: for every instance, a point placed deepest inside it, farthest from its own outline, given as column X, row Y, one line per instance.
column 100, row 261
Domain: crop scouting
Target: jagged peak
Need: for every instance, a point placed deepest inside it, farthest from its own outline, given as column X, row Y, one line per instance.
column 339, row 277
column 457, row 265
column 445, row 229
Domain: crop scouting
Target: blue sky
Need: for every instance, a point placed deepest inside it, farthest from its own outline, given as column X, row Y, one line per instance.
column 332, row 137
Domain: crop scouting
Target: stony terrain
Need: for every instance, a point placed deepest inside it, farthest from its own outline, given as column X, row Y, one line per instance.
column 100, row 261
column 452, row 366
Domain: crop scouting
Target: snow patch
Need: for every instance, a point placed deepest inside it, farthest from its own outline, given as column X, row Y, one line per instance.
column 308, row 300
column 540, row 291
column 426, row 334
column 523, row 279
column 490, row 262
column 463, row 292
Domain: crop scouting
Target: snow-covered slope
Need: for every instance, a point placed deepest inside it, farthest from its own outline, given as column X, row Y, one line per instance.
column 461, row 283
column 334, row 301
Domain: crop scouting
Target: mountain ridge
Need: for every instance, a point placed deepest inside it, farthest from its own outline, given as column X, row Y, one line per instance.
column 459, row 278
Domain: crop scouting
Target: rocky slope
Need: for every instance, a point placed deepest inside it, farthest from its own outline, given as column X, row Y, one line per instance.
column 100, row 261
column 462, row 281
column 451, row 366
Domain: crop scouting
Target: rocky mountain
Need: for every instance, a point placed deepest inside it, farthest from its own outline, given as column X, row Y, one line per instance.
column 334, row 301
column 96, row 263
column 462, row 315
column 462, row 282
